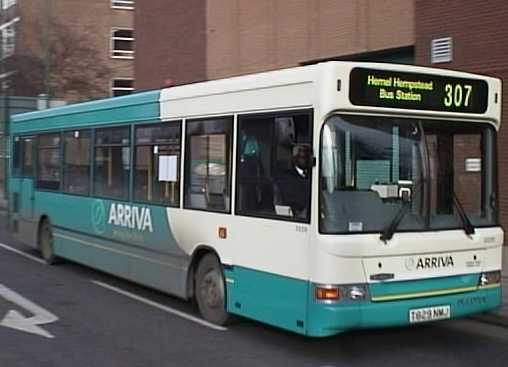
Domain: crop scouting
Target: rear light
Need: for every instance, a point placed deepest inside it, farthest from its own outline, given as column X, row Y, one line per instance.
column 489, row 278
column 327, row 293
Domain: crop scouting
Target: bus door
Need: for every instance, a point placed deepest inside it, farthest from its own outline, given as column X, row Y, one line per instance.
column 274, row 170
column 24, row 202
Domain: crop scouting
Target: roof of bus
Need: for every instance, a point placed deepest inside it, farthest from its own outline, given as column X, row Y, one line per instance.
column 153, row 105
column 143, row 106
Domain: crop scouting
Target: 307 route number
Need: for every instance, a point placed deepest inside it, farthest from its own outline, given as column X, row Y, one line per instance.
column 457, row 95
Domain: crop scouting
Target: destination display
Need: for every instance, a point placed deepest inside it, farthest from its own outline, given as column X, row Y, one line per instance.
column 394, row 89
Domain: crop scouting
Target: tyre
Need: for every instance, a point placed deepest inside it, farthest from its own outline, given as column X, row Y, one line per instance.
column 45, row 242
column 210, row 290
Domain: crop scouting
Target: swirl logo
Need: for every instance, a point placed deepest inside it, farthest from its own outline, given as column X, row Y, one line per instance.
column 99, row 216
column 410, row 263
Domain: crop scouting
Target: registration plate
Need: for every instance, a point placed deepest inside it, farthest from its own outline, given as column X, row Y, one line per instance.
column 429, row 314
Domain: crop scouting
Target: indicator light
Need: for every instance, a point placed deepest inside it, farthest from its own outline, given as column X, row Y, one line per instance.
column 327, row 293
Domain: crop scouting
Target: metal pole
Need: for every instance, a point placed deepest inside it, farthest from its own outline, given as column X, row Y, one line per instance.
column 47, row 44
column 3, row 127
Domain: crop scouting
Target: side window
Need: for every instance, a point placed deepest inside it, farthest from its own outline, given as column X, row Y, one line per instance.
column 208, row 164
column 28, row 163
column 49, row 162
column 77, row 162
column 274, row 163
column 157, row 168
column 23, row 161
column 17, row 156
column 112, row 162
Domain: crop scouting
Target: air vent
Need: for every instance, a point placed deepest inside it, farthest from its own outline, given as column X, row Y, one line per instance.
column 441, row 50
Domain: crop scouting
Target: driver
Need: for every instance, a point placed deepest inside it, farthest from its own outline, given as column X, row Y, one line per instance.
column 294, row 183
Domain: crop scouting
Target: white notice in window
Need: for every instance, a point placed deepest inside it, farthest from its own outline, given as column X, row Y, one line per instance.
column 168, row 168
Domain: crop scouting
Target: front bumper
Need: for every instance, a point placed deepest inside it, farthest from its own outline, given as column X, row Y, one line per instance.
column 329, row 319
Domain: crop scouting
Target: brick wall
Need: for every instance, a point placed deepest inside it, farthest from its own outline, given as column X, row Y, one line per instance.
column 480, row 45
column 170, row 42
column 195, row 40
column 245, row 36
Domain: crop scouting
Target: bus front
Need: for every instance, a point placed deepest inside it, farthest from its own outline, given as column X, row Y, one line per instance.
column 407, row 199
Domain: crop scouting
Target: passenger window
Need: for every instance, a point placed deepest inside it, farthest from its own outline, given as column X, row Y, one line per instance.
column 112, row 162
column 27, row 169
column 49, row 163
column 157, row 170
column 23, row 163
column 208, row 164
column 17, row 156
column 77, row 162
column 274, row 162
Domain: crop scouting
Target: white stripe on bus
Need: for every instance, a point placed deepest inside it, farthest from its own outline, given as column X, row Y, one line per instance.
column 167, row 309
column 24, row 254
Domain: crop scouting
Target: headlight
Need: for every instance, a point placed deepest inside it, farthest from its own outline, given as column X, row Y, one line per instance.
column 356, row 293
column 491, row 277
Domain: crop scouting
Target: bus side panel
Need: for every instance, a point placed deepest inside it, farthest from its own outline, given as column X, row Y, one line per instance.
column 159, row 272
column 129, row 240
column 23, row 221
column 269, row 298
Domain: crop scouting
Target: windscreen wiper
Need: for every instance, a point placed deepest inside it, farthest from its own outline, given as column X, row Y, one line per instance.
column 390, row 229
column 466, row 223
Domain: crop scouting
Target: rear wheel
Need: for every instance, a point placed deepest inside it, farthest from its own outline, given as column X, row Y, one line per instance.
column 210, row 290
column 45, row 240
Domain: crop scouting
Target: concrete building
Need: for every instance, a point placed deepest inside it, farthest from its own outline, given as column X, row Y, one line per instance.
column 70, row 49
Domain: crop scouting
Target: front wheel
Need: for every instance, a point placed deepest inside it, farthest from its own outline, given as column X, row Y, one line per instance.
column 45, row 240
column 210, row 290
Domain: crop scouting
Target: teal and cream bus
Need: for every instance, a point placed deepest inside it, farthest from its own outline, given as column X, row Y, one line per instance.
column 318, row 199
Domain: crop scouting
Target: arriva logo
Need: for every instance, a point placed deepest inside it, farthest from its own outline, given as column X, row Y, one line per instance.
column 434, row 262
column 99, row 216
column 132, row 217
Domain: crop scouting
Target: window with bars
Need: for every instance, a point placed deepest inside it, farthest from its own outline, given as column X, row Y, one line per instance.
column 8, row 38
column 122, row 87
column 122, row 43
column 8, row 41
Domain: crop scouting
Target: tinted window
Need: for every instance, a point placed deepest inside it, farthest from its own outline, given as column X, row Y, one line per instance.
column 112, row 163
column 274, row 162
column 28, row 164
column 17, row 156
column 157, row 168
column 208, row 164
column 77, row 162
column 49, row 162
column 23, row 161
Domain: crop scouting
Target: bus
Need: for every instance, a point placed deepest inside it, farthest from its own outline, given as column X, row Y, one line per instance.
column 318, row 199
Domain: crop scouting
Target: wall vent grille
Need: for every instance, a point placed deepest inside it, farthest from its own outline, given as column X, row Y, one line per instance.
column 441, row 50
